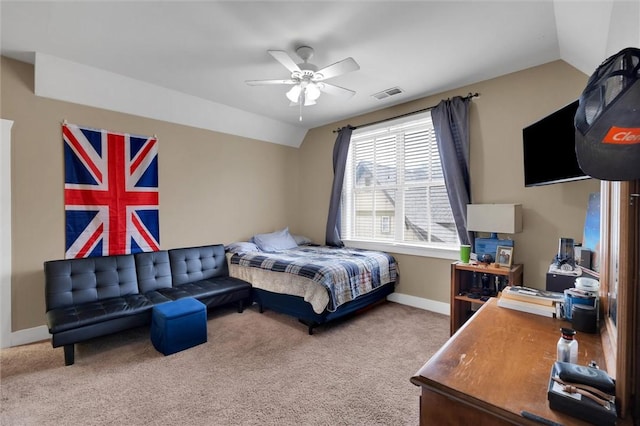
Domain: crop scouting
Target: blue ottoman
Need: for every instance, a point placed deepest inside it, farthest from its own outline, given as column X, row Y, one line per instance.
column 178, row 325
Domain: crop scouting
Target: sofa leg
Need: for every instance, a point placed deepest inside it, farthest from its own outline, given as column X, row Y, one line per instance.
column 68, row 354
column 240, row 306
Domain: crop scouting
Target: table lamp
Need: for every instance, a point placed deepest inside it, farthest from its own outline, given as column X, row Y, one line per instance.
column 494, row 219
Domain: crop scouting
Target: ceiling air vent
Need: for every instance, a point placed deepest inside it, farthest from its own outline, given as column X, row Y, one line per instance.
column 386, row 93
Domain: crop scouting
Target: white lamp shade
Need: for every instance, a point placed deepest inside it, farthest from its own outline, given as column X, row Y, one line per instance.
column 499, row 218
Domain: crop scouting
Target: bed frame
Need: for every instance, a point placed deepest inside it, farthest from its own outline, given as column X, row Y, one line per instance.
column 295, row 306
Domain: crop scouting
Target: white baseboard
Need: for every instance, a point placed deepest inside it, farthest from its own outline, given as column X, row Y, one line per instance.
column 419, row 302
column 37, row 334
column 30, row 335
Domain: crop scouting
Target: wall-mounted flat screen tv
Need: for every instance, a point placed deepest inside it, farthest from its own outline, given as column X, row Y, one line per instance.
column 549, row 149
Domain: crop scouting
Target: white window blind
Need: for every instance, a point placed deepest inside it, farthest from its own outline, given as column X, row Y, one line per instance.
column 394, row 188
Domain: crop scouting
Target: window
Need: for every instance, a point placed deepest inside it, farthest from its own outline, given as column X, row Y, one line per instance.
column 385, row 225
column 394, row 191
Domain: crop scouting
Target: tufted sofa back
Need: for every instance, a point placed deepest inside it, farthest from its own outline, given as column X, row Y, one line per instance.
column 197, row 263
column 154, row 270
column 74, row 281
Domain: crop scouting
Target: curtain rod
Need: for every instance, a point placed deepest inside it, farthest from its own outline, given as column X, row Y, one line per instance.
column 469, row 96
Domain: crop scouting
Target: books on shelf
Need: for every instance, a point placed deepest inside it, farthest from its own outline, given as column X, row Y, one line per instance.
column 532, row 300
column 532, row 308
column 533, row 295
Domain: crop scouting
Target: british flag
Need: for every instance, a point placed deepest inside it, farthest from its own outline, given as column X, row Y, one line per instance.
column 110, row 192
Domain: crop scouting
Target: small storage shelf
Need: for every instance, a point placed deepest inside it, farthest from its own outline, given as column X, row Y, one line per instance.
column 467, row 288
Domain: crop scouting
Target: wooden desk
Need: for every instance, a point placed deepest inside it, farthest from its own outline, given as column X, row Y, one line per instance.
column 494, row 367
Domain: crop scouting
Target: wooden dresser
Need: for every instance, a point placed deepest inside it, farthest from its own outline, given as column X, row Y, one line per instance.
column 494, row 367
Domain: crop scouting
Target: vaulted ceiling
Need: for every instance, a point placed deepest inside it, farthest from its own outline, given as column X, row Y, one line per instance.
column 196, row 56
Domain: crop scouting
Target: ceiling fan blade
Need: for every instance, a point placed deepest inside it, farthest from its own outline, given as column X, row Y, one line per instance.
column 268, row 82
column 284, row 58
column 332, row 89
column 342, row 67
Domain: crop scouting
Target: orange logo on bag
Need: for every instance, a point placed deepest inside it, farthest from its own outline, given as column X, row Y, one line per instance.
column 622, row 136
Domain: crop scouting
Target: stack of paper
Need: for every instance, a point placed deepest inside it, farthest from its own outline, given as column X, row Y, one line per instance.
column 530, row 300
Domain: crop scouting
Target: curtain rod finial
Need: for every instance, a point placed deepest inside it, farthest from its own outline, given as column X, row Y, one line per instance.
column 340, row 128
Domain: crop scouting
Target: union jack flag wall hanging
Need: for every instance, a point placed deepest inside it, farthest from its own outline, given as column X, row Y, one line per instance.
column 110, row 192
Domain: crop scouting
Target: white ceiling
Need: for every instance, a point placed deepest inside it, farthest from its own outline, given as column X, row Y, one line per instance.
column 208, row 49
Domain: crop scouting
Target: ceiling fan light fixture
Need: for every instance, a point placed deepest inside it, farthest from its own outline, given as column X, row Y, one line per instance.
column 294, row 93
column 307, row 80
column 312, row 92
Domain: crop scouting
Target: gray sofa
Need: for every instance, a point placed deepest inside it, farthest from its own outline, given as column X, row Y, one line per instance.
column 91, row 297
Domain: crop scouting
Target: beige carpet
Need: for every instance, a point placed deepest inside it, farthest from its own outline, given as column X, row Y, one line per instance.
column 254, row 369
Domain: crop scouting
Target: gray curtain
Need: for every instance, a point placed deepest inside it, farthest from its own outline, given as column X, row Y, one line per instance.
column 340, row 152
column 451, row 124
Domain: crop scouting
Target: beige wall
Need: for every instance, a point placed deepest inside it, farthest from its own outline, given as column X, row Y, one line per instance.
column 214, row 188
column 506, row 105
column 221, row 188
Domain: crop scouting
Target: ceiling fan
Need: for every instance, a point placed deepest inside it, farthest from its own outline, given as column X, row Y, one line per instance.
column 307, row 80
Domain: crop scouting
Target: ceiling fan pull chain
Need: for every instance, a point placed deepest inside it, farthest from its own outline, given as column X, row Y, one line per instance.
column 301, row 102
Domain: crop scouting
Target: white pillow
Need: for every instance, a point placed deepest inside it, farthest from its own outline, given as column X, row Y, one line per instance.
column 301, row 240
column 275, row 241
column 241, row 247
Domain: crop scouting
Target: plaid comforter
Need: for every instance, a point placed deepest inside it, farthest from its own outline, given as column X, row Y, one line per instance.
column 345, row 272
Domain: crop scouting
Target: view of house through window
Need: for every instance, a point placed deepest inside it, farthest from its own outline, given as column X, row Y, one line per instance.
column 394, row 188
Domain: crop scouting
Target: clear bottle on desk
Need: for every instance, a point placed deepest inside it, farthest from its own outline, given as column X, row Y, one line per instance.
column 568, row 346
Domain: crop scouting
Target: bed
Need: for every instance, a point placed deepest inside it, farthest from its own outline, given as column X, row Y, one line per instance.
column 315, row 284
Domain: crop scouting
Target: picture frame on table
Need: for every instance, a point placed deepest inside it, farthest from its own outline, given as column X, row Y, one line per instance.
column 504, row 256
